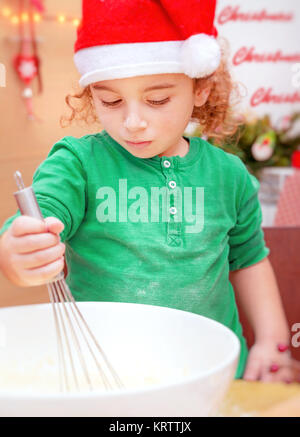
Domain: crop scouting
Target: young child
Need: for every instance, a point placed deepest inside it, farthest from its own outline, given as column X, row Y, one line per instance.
column 145, row 213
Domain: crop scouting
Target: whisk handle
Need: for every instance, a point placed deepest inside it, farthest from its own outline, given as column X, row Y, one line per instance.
column 26, row 199
column 28, row 205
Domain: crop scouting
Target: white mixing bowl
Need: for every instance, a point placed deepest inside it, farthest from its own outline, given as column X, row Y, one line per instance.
column 191, row 360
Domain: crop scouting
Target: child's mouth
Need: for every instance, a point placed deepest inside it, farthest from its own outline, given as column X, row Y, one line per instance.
column 139, row 145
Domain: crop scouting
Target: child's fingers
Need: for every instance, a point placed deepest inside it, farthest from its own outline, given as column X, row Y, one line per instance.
column 25, row 225
column 54, row 225
column 34, row 242
column 267, row 376
column 41, row 275
column 39, row 258
column 30, row 234
column 284, row 374
column 252, row 371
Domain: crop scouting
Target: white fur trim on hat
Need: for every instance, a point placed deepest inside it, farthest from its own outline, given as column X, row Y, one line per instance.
column 198, row 56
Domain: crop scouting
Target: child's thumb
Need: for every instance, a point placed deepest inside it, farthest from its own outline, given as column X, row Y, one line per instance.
column 54, row 225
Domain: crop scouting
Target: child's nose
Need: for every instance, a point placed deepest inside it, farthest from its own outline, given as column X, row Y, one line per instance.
column 134, row 121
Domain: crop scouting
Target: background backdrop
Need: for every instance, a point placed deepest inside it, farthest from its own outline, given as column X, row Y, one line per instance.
column 25, row 143
column 264, row 38
column 265, row 56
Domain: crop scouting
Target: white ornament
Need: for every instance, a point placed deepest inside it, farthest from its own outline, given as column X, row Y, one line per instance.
column 27, row 93
column 27, row 68
column 200, row 55
column 261, row 152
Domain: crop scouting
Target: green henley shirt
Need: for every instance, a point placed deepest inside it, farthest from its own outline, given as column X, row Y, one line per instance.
column 160, row 231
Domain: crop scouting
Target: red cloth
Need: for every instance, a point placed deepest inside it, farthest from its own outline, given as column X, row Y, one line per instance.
column 132, row 21
column 288, row 207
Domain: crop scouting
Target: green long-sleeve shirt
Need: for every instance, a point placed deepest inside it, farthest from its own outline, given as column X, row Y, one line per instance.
column 161, row 231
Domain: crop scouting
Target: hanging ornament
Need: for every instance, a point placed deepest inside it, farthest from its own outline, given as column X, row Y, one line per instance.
column 26, row 67
column 38, row 4
column 26, row 62
column 264, row 146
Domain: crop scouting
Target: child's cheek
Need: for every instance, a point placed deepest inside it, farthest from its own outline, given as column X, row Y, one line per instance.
column 108, row 117
column 173, row 120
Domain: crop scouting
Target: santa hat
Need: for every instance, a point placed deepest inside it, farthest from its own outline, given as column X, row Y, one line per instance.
column 125, row 38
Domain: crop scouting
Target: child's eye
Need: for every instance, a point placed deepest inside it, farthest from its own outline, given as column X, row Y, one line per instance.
column 153, row 102
column 110, row 103
column 159, row 102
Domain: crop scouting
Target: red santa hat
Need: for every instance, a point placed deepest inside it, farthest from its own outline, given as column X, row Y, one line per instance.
column 125, row 38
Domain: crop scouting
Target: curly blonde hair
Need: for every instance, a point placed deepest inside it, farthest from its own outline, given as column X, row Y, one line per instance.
column 217, row 118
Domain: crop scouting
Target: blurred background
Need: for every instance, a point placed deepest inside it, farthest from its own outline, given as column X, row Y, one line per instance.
column 37, row 72
column 27, row 134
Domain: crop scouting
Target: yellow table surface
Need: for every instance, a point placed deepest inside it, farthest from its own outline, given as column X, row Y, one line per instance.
column 256, row 399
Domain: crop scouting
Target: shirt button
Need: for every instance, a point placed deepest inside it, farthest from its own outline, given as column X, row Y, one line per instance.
column 172, row 184
column 167, row 164
column 173, row 210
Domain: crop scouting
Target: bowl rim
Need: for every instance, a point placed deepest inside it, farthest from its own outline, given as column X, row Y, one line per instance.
column 87, row 394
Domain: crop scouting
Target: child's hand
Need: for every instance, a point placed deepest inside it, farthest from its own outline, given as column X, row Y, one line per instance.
column 264, row 355
column 31, row 252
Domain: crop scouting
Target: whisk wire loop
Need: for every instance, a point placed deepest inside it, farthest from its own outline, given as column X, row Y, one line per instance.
column 70, row 325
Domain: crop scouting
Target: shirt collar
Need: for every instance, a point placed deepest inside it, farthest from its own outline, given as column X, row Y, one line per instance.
column 195, row 150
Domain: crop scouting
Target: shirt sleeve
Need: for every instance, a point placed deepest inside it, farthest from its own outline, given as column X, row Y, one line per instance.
column 246, row 238
column 59, row 184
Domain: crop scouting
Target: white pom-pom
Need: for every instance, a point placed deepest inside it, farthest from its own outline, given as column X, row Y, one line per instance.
column 27, row 93
column 200, row 55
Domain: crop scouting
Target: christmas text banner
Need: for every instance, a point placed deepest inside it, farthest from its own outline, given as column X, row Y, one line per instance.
column 264, row 38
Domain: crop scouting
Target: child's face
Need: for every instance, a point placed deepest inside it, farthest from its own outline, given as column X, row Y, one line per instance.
column 129, row 111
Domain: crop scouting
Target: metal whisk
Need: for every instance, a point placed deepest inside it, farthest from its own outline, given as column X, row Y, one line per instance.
column 78, row 349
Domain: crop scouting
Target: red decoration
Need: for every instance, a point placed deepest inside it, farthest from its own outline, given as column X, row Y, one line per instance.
column 26, row 67
column 26, row 62
column 274, row 368
column 296, row 159
column 282, row 347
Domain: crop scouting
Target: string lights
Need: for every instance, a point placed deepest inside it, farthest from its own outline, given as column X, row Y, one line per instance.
column 8, row 14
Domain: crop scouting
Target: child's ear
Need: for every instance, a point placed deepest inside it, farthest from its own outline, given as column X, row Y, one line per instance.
column 201, row 95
